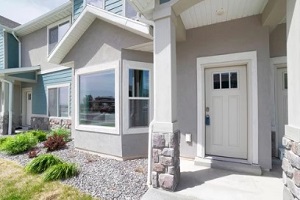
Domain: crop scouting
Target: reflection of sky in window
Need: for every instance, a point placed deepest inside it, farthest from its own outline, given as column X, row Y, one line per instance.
column 140, row 80
column 63, row 96
column 98, row 84
column 97, row 3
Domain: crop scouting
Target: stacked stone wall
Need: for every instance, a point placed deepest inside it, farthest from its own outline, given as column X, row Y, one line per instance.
column 166, row 162
column 291, row 169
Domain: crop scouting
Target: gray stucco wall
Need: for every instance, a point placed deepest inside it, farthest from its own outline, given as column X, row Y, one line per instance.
column 102, row 43
column 135, row 145
column 34, row 49
column 278, row 41
column 241, row 35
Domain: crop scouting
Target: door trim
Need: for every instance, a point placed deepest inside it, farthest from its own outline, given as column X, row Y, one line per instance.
column 276, row 63
column 249, row 59
column 24, row 105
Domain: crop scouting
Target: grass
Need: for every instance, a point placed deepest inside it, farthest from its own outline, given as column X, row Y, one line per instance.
column 60, row 171
column 39, row 134
column 42, row 163
column 15, row 184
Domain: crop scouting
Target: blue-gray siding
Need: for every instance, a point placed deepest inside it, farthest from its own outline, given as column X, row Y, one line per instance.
column 12, row 51
column 114, row 6
column 39, row 90
column 77, row 8
column 27, row 75
column 1, row 49
column 163, row 1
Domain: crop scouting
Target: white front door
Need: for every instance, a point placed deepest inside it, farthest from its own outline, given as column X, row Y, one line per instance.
column 226, row 112
column 28, row 107
column 282, row 103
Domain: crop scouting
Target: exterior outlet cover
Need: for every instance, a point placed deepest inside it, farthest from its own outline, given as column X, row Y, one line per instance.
column 188, row 137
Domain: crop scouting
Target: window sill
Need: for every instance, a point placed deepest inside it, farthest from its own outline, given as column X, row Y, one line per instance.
column 97, row 129
column 138, row 130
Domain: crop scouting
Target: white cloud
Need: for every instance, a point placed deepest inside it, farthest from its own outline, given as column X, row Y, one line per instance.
column 23, row 11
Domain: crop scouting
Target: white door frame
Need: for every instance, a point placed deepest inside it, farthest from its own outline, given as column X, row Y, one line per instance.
column 249, row 59
column 276, row 63
column 24, row 103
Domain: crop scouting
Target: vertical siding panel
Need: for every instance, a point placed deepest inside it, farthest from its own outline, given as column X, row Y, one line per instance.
column 39, row 90
column 12, row 52
column 1, row 49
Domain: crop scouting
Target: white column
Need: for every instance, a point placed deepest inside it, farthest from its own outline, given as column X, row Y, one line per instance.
column 165, row 97
column 293, row 63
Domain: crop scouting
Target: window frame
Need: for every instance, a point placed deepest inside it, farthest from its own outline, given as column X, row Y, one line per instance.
column 62, row 21
column 94, row 69
column 127, row 65
column 69, row 93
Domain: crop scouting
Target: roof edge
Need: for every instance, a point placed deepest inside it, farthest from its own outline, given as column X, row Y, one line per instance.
column 42, row 17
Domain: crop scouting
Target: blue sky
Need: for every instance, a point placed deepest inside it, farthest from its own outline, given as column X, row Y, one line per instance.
column 23, row 11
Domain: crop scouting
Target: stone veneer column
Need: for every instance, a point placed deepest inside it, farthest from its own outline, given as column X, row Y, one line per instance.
column 166, row 162
column 165, row 137
column 291, row 140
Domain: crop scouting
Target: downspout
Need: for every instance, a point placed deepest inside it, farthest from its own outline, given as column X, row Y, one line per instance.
column 149, row 178
column 20, row 46
column 10, row 99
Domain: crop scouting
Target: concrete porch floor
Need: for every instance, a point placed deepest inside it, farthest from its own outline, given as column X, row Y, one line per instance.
column 215, row 184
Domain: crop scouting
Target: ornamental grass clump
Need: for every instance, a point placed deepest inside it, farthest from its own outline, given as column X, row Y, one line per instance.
column 19, row 143
column 42, row 163
column 39, row 134
column 60, row 172
column 2, row 140
column 66, row 133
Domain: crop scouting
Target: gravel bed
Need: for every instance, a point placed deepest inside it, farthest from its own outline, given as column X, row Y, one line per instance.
column 101, row 177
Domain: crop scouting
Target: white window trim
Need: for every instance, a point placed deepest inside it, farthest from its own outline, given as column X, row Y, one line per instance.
column 138, row 66
column 24, row 99
column 276, row 63
column 245, row 58
column 56, row 24
column 59, row 86
column 98, row 68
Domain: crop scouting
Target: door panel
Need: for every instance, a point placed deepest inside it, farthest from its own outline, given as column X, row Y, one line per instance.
column 282, row 103
column 226, row 106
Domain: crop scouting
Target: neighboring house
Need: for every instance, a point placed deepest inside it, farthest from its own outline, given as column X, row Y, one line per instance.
column 216, row 72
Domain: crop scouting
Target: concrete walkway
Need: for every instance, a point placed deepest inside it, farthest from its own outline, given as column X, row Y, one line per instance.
column 215, row 184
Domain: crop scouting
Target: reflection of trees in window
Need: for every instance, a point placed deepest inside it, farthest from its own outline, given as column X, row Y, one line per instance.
column 97, row 101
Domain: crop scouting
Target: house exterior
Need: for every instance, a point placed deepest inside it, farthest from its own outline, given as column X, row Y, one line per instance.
column 211, row 77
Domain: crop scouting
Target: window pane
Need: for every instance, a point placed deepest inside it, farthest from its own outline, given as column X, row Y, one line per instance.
column 62, row 29
column 63, row 102
column 138, row 83
column 130, row 12
column 97, row 3
column 52, row 102
column 97, row 98
column 216, row 81
column 53, row 38
column 233, row 80
column 139, row 113
column 225, row 80
column 285, row 81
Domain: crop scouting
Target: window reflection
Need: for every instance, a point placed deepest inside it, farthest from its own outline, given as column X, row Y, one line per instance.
column 97, row 98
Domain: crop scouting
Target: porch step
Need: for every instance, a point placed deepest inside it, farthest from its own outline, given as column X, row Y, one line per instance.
column 22, row 129
column 230, row 166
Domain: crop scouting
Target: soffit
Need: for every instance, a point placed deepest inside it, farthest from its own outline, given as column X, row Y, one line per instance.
column 209, row 12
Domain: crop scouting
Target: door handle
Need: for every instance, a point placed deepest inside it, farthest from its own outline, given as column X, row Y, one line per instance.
column 207, row 120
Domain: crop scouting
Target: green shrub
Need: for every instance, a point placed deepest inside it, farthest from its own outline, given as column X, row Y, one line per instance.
column 39, row 134
column 2, row 140
column 66, row 133
column 19, row 143
column 42, row 163
column 60, row 171
column 55, row 142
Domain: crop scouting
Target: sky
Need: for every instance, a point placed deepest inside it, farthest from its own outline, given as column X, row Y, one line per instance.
column 22, row 11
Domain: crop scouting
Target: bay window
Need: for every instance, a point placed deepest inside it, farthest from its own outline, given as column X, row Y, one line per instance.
column 97, row 98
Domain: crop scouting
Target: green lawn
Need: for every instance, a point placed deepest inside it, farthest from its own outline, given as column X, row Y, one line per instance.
column 15, row 184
